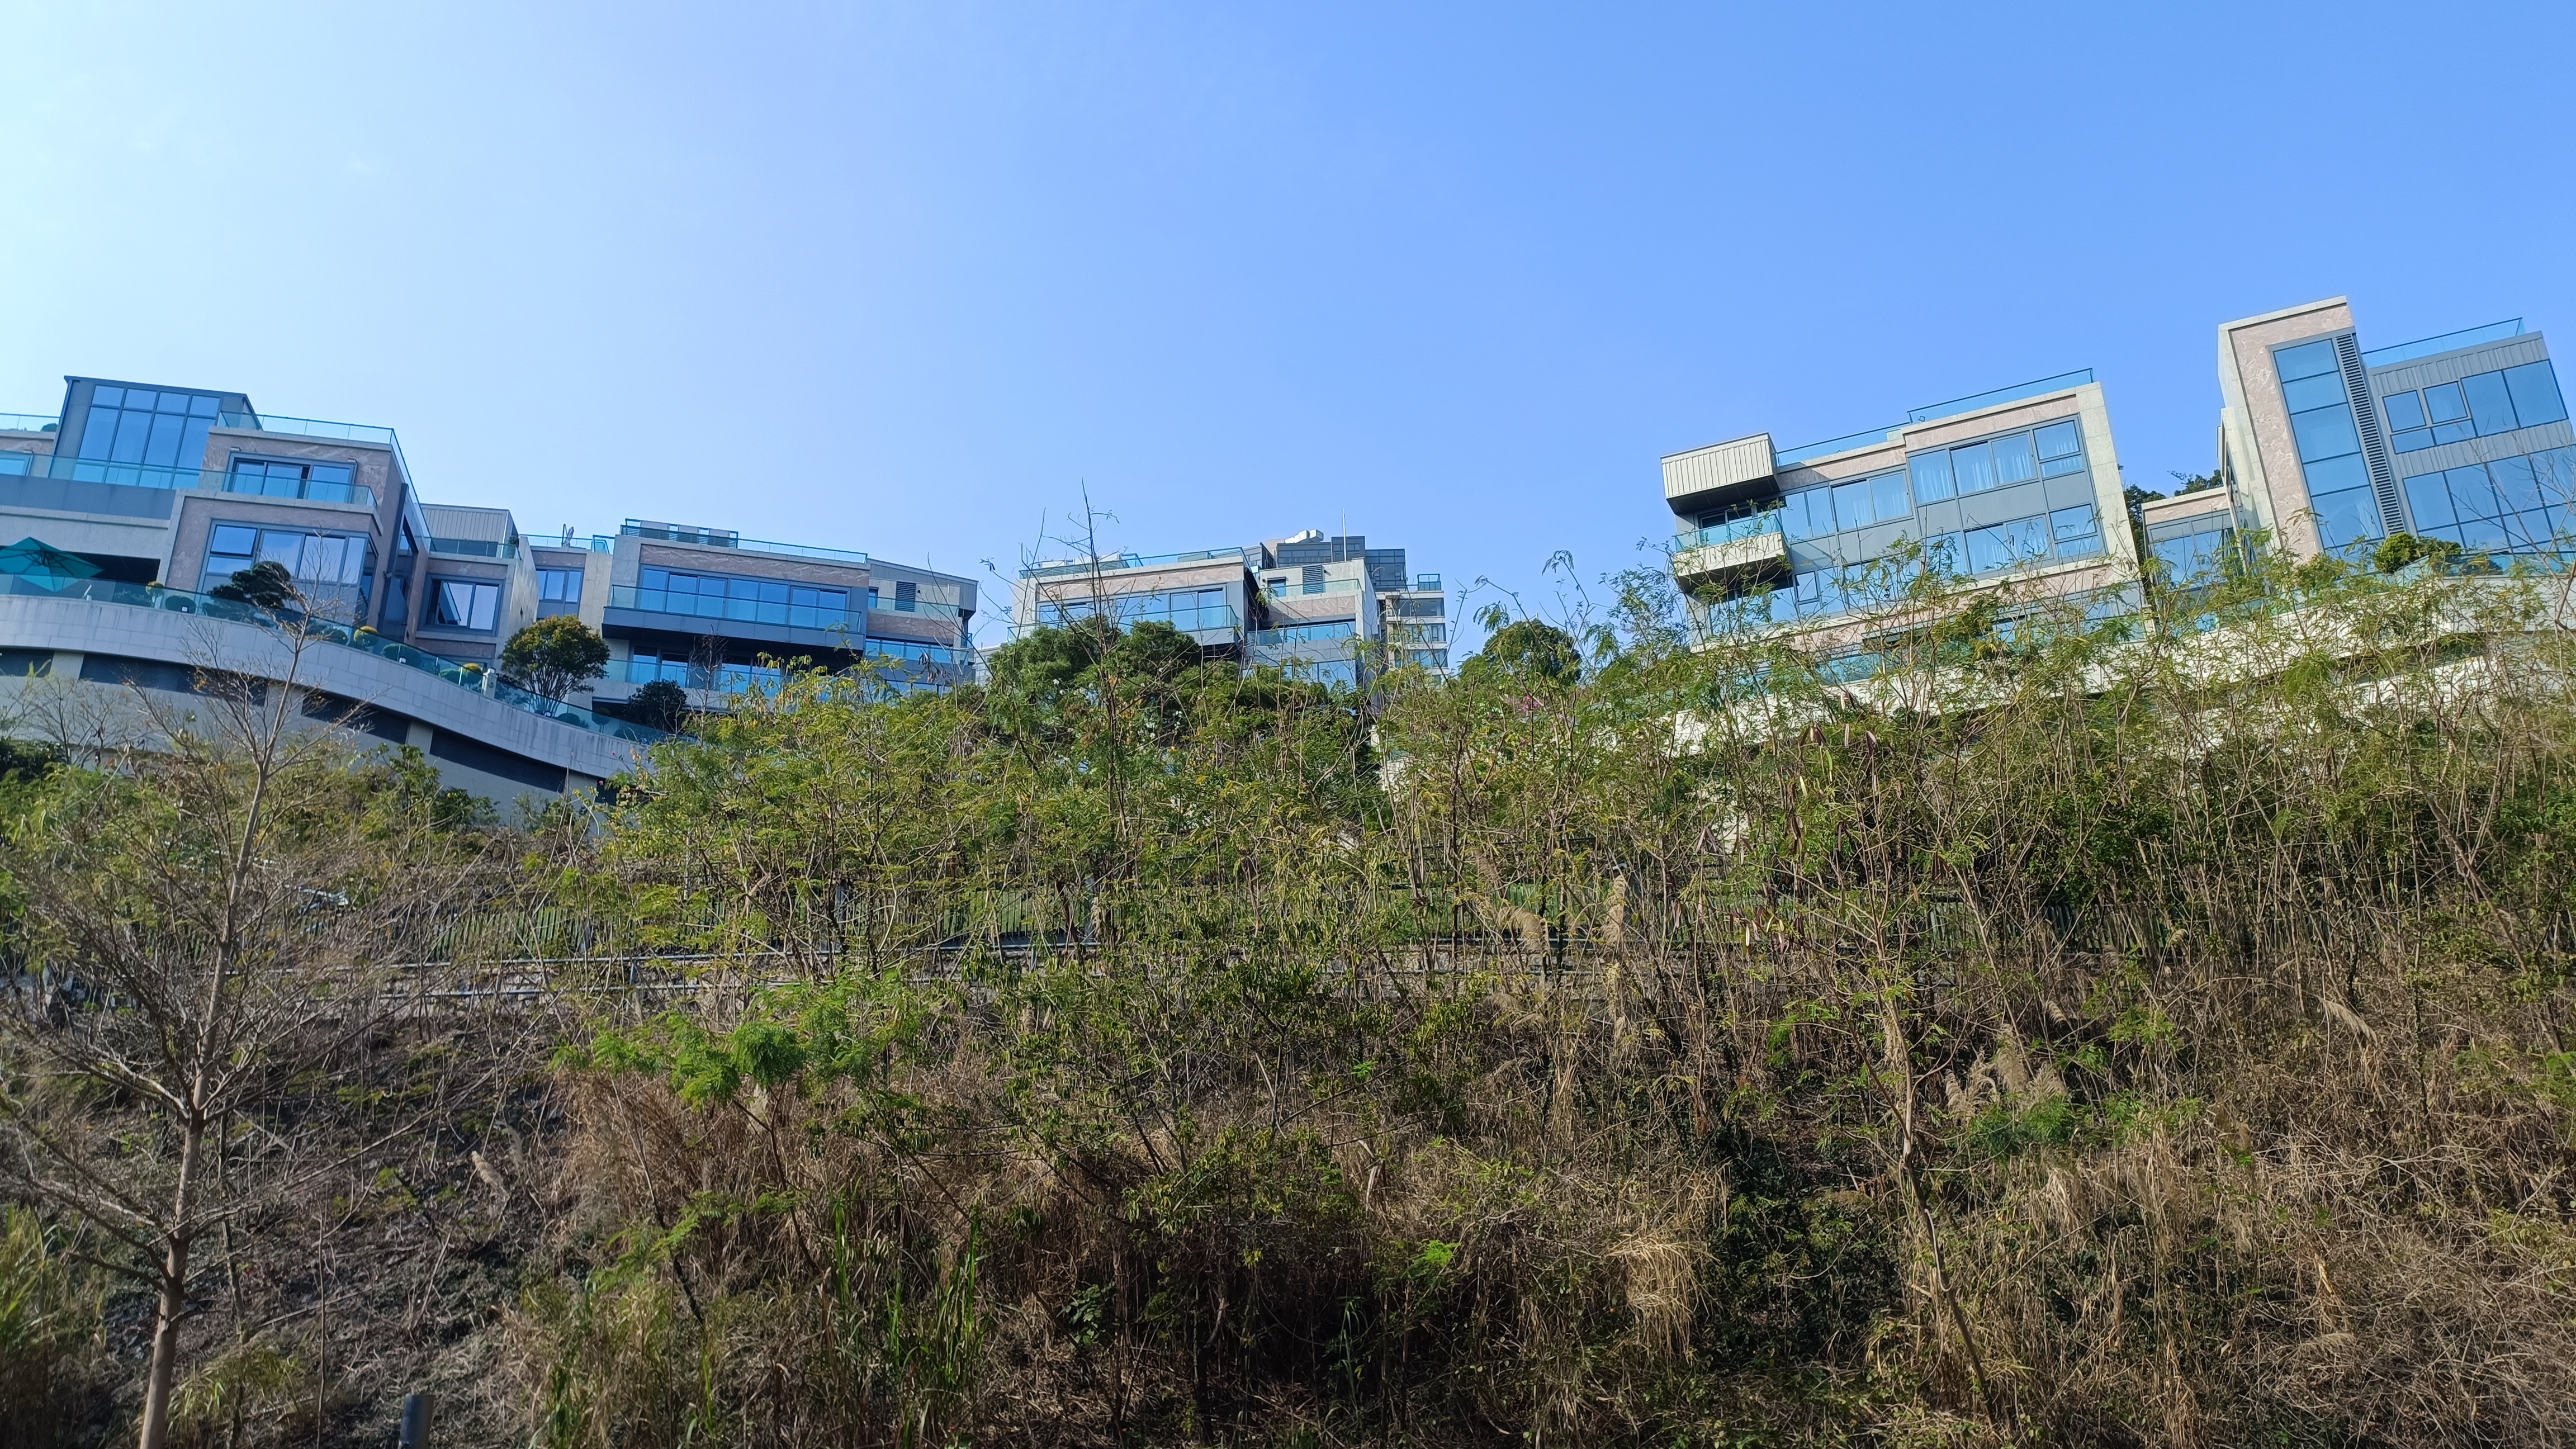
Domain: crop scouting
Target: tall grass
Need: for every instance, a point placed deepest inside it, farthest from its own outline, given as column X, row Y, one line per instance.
column 2150, row 1030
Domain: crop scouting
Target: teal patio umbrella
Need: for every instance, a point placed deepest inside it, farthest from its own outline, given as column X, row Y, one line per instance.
column 43, row 565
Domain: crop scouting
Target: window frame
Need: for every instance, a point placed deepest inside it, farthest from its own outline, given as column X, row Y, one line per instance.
column 436, row 594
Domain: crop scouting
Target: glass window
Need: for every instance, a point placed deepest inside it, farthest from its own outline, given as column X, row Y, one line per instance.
column 459, row 604
column 2554, row 471
column 2014, row 461
column 2444, row 404
column 1808, row 513
column 2405, row 410
column 1931, row 473
column 2414, row 442
column 2348, row 517
column 2472, row 496
column 2192, row 556
column 2483, row 535
column 235, row 539
column 2429, row 499
column 2489, row 403
column 2060, row 440
column 1973, row 468
column 1887, row 497
column 2308, row 360
column 1946, row 552
column 2515, row 484
column 158, row 429
column 2007, row 544
column 2535, row 394
column 2348, row 471
column 2321, row 391
column 2077, row 525
column 559, row 586
column 1851, row 505
column 2325, row 433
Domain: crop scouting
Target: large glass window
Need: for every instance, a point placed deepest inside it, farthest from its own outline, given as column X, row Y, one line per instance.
column 158, row 429
column 1841, row 507
column 2474, row 407
column 463, row 604
column 2050, row 451
column 2077, row 531
column 2326, row 433
column 276, row 478
column 2329, row 443
column 309, row 557
column 1183, row 609
column 725, row 596
column 1972, row 468
column 2014, row 460
column 2061, row 449
column 559, row 586
column 2006, row 544
column 2511, row 505
column 2196, row 556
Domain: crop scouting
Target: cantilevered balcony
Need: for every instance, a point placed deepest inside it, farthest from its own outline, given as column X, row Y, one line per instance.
column 1729, row 555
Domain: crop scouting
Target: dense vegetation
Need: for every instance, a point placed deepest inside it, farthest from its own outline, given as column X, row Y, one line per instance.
column 2121, row 1031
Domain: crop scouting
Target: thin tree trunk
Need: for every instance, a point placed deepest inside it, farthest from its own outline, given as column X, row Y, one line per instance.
column 174, row 1296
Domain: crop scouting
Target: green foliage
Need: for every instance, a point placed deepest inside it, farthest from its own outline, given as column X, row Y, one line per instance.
column 266, row 584
column 1527, row 651
column 2069, row 1031
column 555, row 655
column 2400, row 549
column 49, row 1319
column 658, row 704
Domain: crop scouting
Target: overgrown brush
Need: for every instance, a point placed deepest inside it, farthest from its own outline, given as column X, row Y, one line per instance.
column 2077, row 1032
column 2144, row 1030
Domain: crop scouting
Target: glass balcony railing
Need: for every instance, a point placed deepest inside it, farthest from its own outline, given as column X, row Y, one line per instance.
column 2015, row 393
column 144, row 475
column 1734, row 530
column 474, row 547
column 308, row 427
column 100, row 470
column 909, row 652
column 30, row 422
column 740, row 611
column 1293, row 589
column 1306, row 633
column 482, row 682
column 1067, row 568
column 2447, row 342
column 1426, row 583
column 316, row 428
column 717, row 538
column 740, row 678
column 1783, row 457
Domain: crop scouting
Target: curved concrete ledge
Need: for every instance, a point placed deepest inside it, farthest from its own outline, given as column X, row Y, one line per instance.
column 478, row 744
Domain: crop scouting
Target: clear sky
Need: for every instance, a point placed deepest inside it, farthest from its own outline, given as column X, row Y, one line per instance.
column 911, row 278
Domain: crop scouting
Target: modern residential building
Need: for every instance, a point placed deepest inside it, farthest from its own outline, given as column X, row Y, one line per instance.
column 1331, row 608
column 137, row 501
column 2330, row 447
column 2323, row 447
column 2021, row 483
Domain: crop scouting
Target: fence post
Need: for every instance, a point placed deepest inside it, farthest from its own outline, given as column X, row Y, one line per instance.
column 415, row 1421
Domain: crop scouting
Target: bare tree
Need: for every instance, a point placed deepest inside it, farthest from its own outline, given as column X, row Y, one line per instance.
column 206, row 922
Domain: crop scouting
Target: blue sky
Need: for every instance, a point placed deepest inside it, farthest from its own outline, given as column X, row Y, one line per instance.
column 913, row 278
